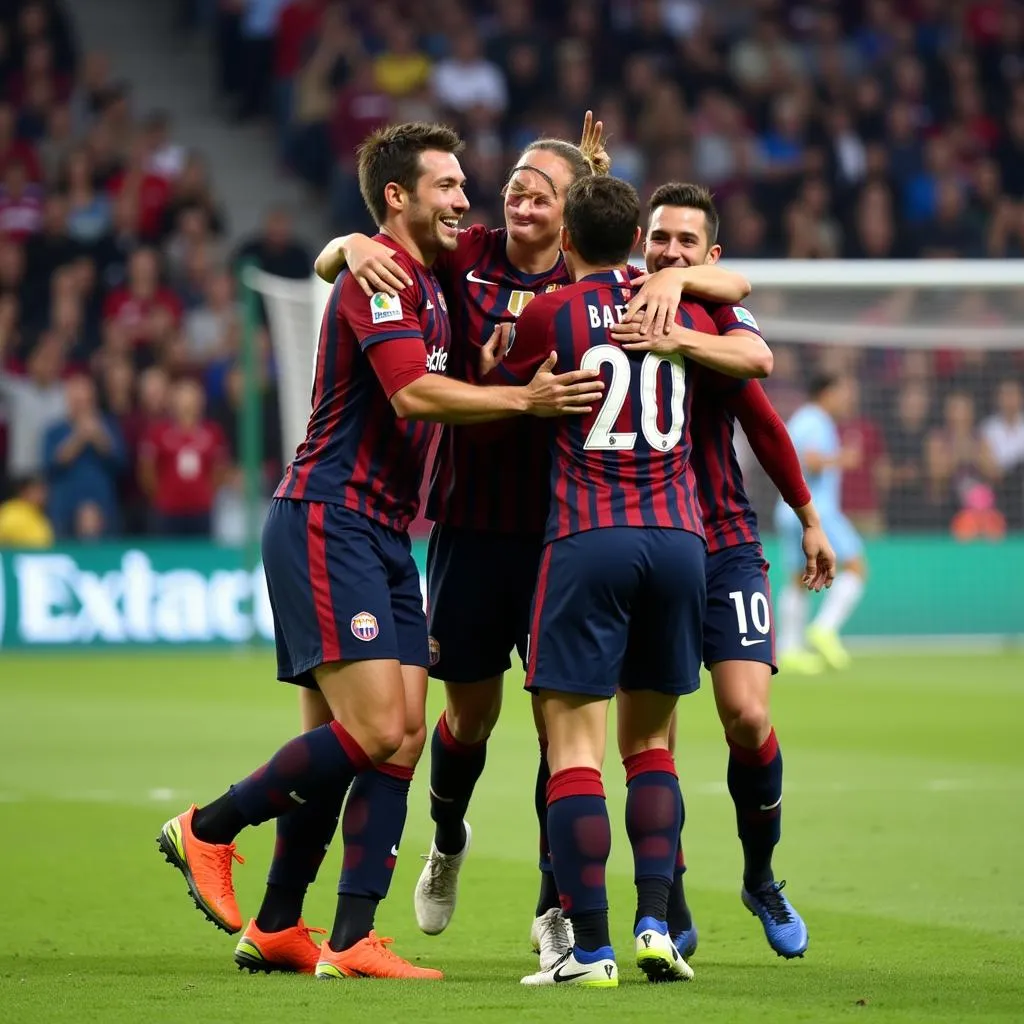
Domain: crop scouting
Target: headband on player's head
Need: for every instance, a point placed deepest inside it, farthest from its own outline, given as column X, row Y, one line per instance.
column 536, row 170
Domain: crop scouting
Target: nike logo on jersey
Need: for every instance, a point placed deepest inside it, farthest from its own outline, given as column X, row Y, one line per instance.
column 771, row 807
column 473, row 279
column 394, row 850
column 749, row 643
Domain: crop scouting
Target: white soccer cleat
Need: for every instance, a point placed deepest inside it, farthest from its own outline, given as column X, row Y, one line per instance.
column 438, row 887
column 656, row 953
column 551, row 937
column 602, row 972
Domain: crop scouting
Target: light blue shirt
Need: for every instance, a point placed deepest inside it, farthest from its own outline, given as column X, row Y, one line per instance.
column 259, row 19
column 813, row 430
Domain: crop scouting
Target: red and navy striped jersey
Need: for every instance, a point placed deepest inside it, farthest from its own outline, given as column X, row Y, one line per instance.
column 626, row 463
column 357, row 452
column 489, row 477
column 728, row 516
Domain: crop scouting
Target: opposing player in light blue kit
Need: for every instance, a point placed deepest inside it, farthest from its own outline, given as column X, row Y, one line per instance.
column 816, row 437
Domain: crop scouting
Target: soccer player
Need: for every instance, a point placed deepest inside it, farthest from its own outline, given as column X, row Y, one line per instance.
column 344, row 589
column 489, row 499
column 814, row 432
column 620, row 592
column 738, row 637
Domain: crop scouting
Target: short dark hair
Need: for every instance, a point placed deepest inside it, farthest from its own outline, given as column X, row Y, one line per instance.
column 820, row 383
column 393, row 154
column 601, row 217
column 694, row 197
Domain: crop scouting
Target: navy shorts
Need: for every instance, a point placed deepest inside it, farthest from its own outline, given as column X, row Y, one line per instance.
column 739, row 625
column 479, row 590
column 619, row 607
column 342, row 588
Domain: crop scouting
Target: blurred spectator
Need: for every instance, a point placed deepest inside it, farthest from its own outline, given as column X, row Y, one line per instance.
column 33, row 403
column 144, row 309
column 401, row 67
column 1003, row 434
column 467, row 78
column 89, row 211
column 83, row 455
column 181, row 465
column 192, row 190
column 257, row 26
column 23, row 522
column 275, row 249
column 150, row 191
column 21, row 203
column 864, row 484
column 209, row 326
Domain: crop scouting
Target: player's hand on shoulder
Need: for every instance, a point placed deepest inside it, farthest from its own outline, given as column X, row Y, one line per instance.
column 634, row 337
column 563, row 394
column 374, row 266
column 655, row 304
column 492, row 352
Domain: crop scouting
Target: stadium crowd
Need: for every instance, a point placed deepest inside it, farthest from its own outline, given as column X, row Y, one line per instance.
column 859, row 130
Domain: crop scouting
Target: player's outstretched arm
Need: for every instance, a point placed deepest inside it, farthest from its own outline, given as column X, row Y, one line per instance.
column 443, row 400
column 774, row 450
column 737, row 354
column 655, row 304
column 372, row 264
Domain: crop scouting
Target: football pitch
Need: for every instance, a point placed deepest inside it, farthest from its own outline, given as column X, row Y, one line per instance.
column 903, row 844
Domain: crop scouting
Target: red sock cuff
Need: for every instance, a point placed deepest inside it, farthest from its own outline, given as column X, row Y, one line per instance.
column 575, row 782
column 449, row 742
column 764, row 754
column 396, row 771
column 359, row 758
column 659, row 760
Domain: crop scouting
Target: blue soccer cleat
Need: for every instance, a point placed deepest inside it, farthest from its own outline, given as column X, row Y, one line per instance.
column 686, row 942
column 783, row 926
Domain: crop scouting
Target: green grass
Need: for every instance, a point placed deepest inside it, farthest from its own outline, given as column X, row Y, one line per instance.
column 903, row 845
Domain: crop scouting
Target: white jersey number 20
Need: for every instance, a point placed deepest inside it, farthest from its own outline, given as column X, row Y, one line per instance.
column 602, row 437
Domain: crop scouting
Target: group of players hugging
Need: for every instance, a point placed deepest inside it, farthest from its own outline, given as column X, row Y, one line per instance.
column 588, row 511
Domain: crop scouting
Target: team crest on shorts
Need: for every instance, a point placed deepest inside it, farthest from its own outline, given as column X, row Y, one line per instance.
column 433, row 650
column 364, row 626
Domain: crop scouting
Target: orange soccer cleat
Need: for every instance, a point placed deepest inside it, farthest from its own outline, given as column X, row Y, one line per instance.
column 291, row 950
column 370, row 958
column 207, row 869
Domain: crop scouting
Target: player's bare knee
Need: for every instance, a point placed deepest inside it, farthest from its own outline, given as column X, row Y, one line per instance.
column 381, row 737
column 748, row 725
column 472, row 710
column 413, row 743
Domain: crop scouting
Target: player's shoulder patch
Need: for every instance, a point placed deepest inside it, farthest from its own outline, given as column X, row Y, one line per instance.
column 744, row 316
column 384, row 307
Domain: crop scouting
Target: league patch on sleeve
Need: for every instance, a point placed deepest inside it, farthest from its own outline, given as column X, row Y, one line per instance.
column 385, row 307
column 743, row 315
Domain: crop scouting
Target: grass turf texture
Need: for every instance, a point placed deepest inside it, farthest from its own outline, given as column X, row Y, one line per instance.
column 903, row 842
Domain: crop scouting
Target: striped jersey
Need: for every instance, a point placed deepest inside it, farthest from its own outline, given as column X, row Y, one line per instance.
column 626, row 463
column 489, row 477
column 357, row 452
column 729, row 518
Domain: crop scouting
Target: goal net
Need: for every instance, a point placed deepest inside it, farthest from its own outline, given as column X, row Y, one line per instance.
column 935, row 353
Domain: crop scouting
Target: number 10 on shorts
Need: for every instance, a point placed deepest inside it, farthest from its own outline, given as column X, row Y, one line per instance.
column 760, row 613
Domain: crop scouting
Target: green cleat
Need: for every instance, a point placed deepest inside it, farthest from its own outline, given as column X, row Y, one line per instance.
column 827, row 643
